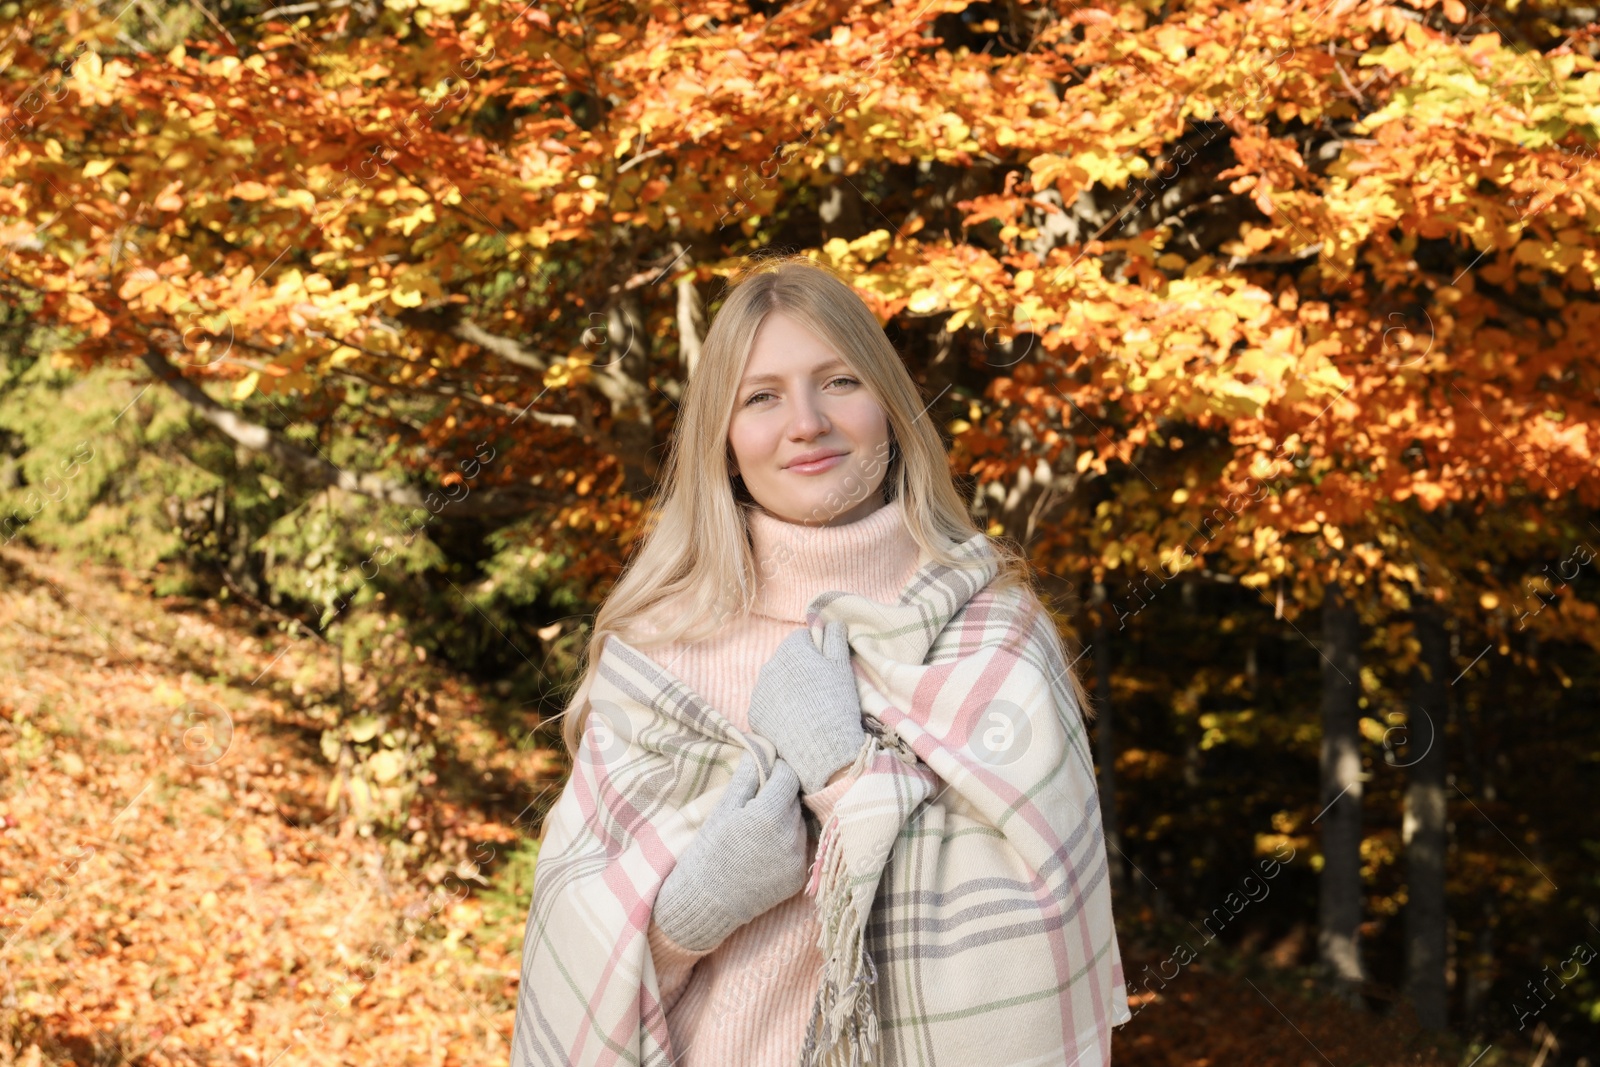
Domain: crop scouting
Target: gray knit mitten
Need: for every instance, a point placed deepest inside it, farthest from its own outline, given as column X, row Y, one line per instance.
column 805, row 702
column 749, row 856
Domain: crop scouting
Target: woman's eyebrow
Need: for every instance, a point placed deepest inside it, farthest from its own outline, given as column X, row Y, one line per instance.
column 819, row 369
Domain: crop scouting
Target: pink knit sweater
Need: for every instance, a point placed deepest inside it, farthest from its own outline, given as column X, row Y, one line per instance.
column 747, row 1001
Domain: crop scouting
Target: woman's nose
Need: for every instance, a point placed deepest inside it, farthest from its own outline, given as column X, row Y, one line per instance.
column 809, row 420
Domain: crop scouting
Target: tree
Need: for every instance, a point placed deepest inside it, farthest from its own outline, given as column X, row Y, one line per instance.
column 1274, row 299
column 1340, row 903
column 1426, row 823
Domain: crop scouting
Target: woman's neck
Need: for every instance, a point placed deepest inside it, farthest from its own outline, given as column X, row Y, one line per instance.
column 874, row 557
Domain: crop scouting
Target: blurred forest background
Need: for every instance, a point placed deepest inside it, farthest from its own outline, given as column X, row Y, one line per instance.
column 341, row 341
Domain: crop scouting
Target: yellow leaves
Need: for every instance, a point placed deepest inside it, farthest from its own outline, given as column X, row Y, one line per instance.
column 1050, row 169
column 406, row 224
column 96, row 167
column 1172, row 41
column 98, row 83
column 1369, row 554
column 568, row 371
column 1255, row 396
column 227, row 68
column 291, row 284
column 1266, row 366
column 246, row 385
column 1562, row 66
column 956, row 131
column 250, row 190
column 958, row 320
column 414, row 285
column 79, row 309
column 1483, row 45
column 1257, row 238
column 1223, row 727
column 872, row 246
column 853, row 255
column 300, row 199
column 1263, row 538
column 1222, row 326
column 385, row 765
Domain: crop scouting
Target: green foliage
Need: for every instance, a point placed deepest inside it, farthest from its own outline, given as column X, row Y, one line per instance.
column 89, row 476
column 334, row 551
column 505, row 901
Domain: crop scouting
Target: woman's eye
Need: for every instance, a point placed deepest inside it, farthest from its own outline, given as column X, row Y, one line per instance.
column 842, row 378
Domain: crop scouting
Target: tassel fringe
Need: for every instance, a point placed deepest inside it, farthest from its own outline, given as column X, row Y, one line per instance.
column 843, row 1030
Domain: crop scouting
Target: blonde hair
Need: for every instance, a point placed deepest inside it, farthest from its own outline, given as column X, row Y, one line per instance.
column 695, row 525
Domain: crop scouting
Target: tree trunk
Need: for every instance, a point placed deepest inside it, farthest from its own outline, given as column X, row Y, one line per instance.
column 1425, row 823
column 840, row 209
column 1339, row 912
column 621, row 374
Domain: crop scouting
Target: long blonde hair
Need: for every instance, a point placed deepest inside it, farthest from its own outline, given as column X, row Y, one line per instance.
column 695, row 552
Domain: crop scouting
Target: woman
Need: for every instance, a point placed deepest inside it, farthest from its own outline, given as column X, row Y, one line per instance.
column 807, row 497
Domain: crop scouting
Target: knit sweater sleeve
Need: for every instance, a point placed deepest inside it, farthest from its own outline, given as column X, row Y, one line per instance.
column 674, row 964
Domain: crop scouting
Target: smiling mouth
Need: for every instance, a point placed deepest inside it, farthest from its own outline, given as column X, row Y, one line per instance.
column 817, row 465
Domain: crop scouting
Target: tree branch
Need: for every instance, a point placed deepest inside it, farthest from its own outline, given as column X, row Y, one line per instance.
column 462, row 329
column 318, row 471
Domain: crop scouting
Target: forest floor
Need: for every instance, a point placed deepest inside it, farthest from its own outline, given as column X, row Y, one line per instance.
column 159, row 906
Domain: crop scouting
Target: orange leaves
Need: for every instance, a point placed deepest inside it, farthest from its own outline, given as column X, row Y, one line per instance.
column 1201, row 229
column 187, row 906
column 250, row 190
column 1062, row 173
column 168, row 199
column 148, row 290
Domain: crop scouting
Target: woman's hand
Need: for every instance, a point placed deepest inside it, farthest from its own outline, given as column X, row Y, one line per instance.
column 749, row 856
column 805, row 702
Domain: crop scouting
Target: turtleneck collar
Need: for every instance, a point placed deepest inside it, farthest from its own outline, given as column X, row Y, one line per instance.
column 874, row 557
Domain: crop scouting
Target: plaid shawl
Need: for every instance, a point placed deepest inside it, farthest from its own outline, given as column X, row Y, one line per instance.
column 961, row 881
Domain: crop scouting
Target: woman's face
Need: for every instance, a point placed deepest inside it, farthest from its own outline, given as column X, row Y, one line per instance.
column 799, row 398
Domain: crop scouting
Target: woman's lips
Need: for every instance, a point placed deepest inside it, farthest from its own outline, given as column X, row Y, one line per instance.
column 816, row 466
